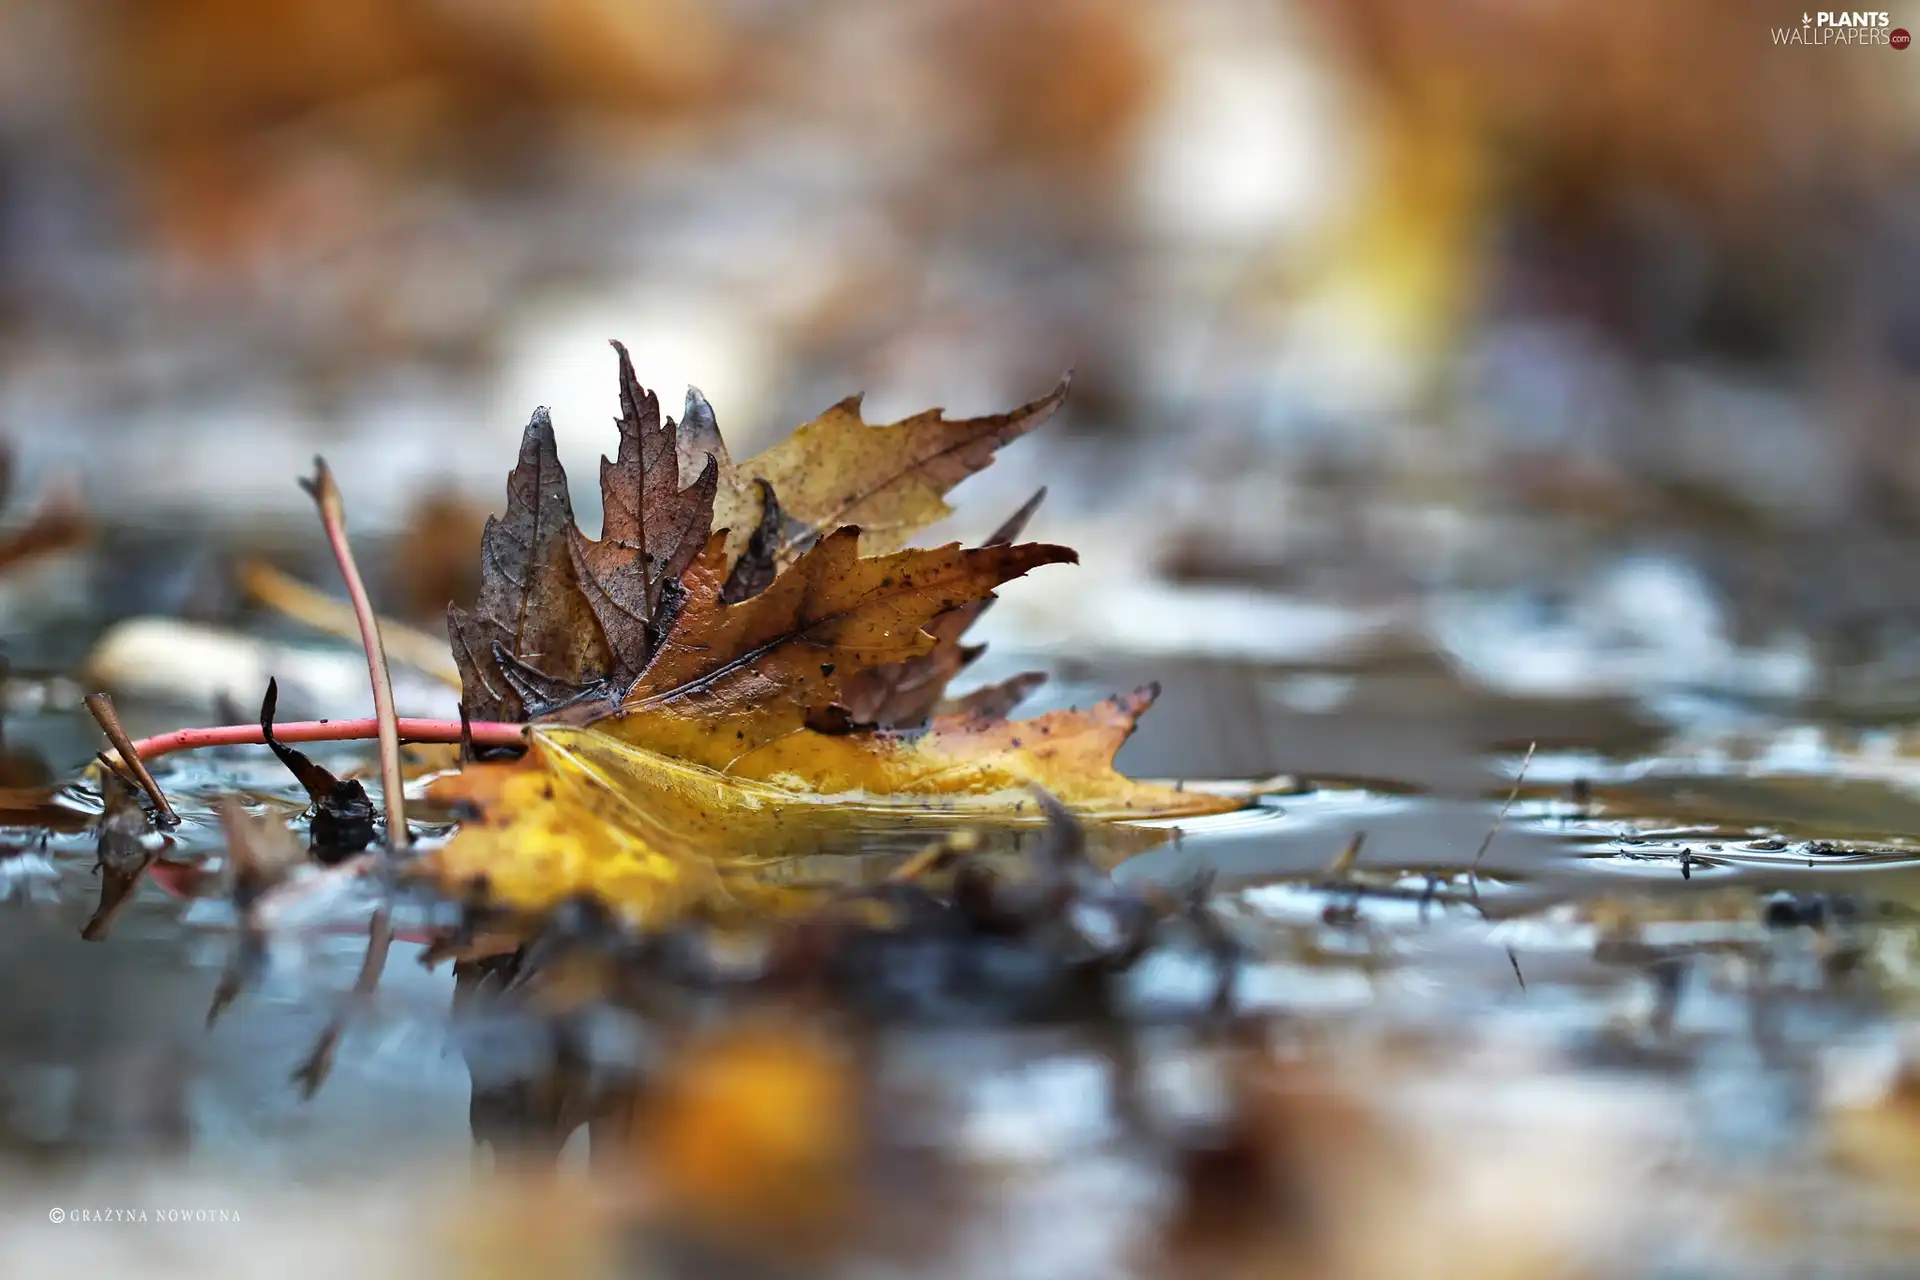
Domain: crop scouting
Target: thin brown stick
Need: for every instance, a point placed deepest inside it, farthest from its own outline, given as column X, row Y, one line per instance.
column 1500, row 818
column 333, row 516
column 935, row 857
column 1473, row 869
column 1342, row 865
column 112, row 765
column 101, row 705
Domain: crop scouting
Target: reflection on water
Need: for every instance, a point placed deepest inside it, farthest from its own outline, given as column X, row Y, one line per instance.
column 1640, row 955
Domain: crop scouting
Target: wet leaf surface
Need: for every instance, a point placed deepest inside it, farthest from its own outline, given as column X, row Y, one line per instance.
column 752, row 671
column 902, row 695
column 656, row 835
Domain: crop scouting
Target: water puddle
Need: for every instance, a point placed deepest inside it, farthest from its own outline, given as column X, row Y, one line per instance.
column 1649, row 956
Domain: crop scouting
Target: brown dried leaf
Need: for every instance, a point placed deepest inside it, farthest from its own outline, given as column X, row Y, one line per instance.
column 756, row 568
column 905, row 694
column 653, row 528
column 531, row 610
column 729, row 677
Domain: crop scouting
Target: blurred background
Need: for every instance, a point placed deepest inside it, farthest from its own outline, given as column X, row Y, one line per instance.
column 1576, row 341
column 1450, row 376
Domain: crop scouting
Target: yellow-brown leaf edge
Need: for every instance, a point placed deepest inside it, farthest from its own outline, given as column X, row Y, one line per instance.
column 890, row 480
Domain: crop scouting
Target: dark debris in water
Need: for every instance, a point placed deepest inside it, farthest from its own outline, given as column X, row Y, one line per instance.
column 343, row 822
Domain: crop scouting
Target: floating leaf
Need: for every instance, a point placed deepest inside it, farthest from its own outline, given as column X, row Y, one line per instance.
column 654, row 837
column 749, row 699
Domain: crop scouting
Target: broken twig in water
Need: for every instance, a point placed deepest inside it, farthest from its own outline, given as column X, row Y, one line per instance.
column 1473, row 868
column 343, row 816
column 1499, row 819
column 1342, row 866
column 101, row 706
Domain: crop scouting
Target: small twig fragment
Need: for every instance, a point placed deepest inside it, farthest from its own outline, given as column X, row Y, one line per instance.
column 1342, row 865
column 101, row 706
column 935, row 857
column 1473, row 868
column 1500, row 818
column 326, row 496
column 113, row 766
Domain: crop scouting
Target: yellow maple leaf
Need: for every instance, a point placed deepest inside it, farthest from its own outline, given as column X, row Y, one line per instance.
column 588, row 812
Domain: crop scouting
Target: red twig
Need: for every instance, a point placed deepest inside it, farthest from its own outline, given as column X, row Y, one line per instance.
column 492, row 733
